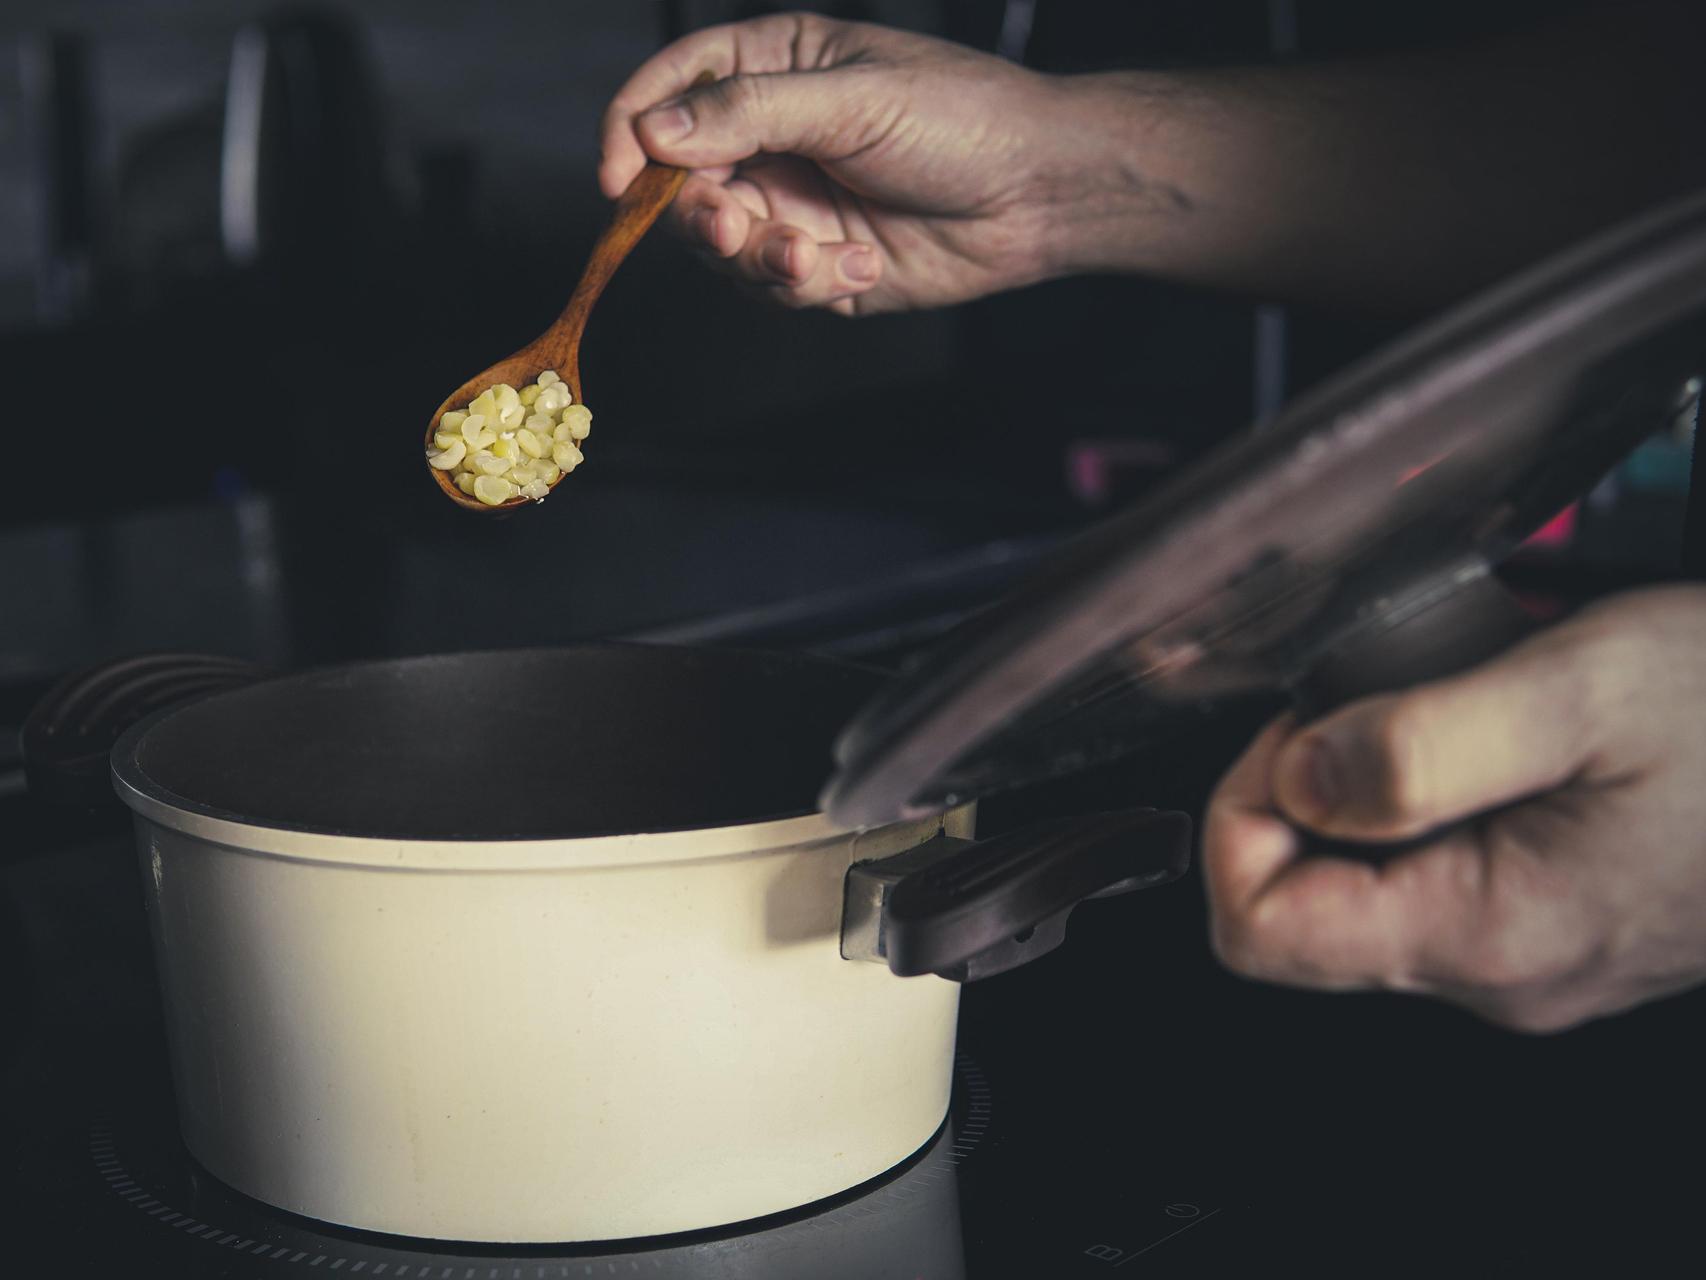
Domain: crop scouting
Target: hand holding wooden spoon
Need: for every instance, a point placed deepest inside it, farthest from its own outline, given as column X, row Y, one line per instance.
column 559, row 347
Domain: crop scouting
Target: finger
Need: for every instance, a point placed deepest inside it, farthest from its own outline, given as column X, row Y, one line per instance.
column 1245, row 844
column 1400, row 765
column 1489, row 916
column 717, row 173
column 775, row 254
column 842, row 272
column 1411, row 925
column 1282, row 916
column 817, row 115
column 751, row 196
column 710, row 217
column 756, row 250
column 767, row 44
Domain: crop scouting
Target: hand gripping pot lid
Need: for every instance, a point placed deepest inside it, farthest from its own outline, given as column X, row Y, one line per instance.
column 1406, row 476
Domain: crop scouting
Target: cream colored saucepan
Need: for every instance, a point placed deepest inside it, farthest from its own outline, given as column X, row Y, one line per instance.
column 552, row 945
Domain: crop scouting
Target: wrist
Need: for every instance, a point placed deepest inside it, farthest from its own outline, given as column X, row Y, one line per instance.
column 1113, row 193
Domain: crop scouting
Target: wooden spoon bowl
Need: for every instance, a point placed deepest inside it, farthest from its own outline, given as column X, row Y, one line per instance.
column 559, row 347
column 518, row 370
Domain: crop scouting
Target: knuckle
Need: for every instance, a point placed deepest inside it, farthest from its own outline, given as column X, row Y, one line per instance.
column 743, row 95
column 1237, row 948
column 1224, row 941
column 809, row 34
column 1509, row 961
column 1535, row 1017
column 1537, row 932
column 812, row 27
column 1494, row 963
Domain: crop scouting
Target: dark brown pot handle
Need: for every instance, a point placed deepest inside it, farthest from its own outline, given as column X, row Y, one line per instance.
column 969, row 909
column 70, row 733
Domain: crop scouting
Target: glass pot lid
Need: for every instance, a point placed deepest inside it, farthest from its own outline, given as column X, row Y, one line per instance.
column 1384, row 495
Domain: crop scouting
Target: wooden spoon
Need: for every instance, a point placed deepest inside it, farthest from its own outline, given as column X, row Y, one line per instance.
column 559, row 347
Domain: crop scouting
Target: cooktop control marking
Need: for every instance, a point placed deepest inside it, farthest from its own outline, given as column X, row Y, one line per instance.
column 1194, row 1222
column 1118, row 1257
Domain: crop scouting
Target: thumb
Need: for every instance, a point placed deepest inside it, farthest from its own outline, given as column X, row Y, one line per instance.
column 814, row 114
column 1400, row 765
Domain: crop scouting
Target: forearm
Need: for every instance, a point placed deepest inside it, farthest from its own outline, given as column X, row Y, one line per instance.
column 1393, row 185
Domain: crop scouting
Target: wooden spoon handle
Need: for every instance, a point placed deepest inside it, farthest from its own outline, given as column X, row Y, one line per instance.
column 647, row 196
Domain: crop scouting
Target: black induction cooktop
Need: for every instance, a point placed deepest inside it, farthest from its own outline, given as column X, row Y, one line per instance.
column 1121, row 1107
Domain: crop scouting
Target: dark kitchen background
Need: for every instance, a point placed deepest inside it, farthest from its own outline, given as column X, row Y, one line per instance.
column 246, row 248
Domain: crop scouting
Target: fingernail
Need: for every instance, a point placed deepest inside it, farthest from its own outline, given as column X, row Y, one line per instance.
column 860, row 267
column 669, row 121
column 1319, row 777
column 776, row 254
